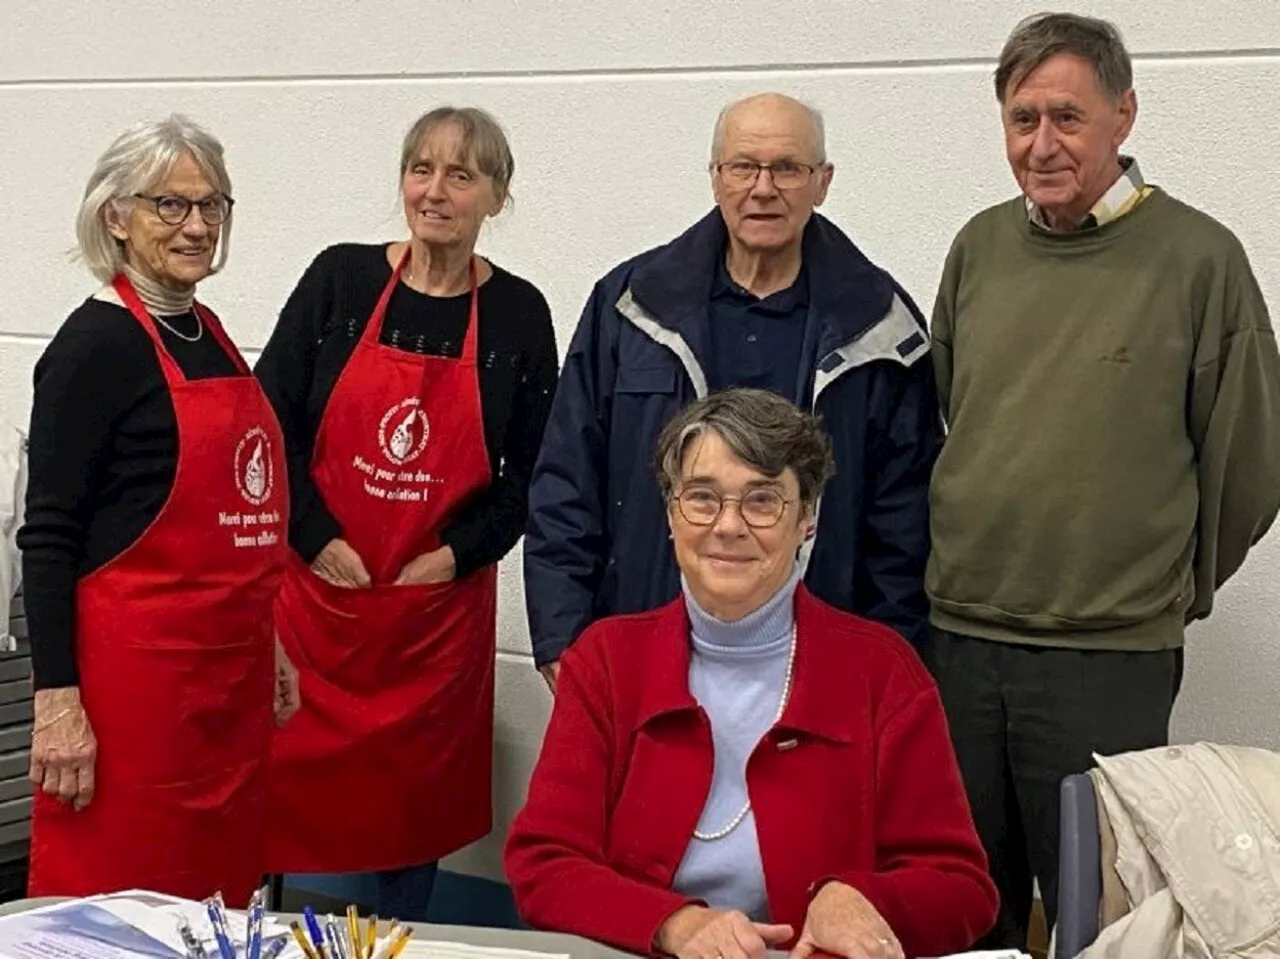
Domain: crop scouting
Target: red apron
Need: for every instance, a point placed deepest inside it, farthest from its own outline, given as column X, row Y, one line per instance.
column 388, row 762
column 176, row 657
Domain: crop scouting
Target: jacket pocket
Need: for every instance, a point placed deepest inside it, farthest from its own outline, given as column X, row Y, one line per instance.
column 645, row 379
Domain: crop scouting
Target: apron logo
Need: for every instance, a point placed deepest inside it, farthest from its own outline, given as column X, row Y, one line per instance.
column 254, row 477
column 403, row 431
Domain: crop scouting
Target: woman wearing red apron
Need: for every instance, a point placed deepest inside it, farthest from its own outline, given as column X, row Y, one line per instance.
column 412, row 381
column 153, row 549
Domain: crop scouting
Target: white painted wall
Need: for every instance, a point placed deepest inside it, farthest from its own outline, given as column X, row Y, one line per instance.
column 609, row 104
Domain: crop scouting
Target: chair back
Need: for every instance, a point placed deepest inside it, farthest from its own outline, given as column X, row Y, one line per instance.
column 1079, row 868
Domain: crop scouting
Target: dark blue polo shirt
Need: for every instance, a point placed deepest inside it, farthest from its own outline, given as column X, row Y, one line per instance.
column 757, row 342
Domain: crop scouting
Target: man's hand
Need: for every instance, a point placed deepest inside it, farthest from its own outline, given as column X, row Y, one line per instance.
column 287, row 697
column 341, row 565
column 551, row 673
column 437, row 566
column 842, row 922
column 63, row 747
column 696, row 932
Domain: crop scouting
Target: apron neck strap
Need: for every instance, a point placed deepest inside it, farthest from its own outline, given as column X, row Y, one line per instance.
column 172, row 371
column 129, row 296
column 214, row 326
column 470, row 343
column 373, row 329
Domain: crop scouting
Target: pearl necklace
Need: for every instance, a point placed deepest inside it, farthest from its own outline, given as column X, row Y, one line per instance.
column 736, row 821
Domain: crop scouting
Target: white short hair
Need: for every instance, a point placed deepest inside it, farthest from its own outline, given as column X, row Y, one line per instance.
column 815, row 117
column 140, row 158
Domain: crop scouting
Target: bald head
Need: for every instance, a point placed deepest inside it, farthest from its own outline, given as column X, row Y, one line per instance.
column 768, row 172
column 771, row 113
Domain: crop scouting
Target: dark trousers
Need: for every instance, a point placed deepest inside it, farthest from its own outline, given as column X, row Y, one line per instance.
column 404, row 894
column 1023, row 718
column 401, row 894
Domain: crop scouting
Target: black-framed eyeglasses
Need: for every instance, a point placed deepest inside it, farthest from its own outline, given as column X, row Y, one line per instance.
column 759, row 508
column 174, row 210
column 786, row 174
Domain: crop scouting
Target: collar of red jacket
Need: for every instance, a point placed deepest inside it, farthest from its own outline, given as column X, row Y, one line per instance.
column 818, row 705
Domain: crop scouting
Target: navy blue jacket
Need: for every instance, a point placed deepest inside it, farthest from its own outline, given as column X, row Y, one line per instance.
column 597, row 540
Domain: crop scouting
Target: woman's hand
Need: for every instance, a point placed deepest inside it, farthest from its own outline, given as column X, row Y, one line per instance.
column 341, row 565
column 437, row 566
column 842, row 922
column 287, row 698
column 696, row 932
column 63, row 747
column 551, row 675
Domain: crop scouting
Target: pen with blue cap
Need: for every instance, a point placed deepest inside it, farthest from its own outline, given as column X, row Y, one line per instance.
column 313, row 927
column 253, row 928
column 218, row 919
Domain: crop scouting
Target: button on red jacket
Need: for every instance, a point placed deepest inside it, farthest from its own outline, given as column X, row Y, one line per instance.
column 857, row 782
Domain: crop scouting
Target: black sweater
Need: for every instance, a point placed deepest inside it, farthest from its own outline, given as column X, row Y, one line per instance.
column 102, row 455
column 317, row 332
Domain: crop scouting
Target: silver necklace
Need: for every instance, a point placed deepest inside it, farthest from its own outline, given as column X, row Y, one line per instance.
column 407, row 275
column 736, row 821
column 178, row 333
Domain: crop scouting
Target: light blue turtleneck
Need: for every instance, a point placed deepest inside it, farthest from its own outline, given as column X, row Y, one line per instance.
column 736, row 673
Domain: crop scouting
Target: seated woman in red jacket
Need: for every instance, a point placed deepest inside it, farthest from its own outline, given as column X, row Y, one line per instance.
column 747, row 768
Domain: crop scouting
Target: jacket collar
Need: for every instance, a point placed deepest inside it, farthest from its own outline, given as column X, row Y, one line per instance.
column 847, row 292
column 817, row 693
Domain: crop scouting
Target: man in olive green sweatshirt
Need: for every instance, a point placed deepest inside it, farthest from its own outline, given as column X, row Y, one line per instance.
column 1111, row 385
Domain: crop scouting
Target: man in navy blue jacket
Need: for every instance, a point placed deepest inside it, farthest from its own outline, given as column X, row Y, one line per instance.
column 761, row 292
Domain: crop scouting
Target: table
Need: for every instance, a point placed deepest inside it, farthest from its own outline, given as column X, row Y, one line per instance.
column 574, row 946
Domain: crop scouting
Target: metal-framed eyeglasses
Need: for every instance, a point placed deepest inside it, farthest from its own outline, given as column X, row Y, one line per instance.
column 786, row 174
column 174, row 210
column 759, row 508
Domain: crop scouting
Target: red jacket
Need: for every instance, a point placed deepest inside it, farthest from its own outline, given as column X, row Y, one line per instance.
column 857, row 782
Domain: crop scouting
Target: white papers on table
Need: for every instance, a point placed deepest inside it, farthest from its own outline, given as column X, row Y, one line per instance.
column 122, row 925
column 157, row 915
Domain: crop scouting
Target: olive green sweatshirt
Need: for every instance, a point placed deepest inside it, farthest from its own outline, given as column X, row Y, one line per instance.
column 1112, row 399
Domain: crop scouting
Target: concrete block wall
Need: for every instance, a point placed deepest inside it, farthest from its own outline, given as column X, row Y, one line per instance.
column 609, row 106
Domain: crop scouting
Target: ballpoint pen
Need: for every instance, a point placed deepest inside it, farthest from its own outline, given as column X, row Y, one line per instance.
column 313, row 927
column 373, row 937
column 395, row 945
column 218, row 919
column 334, row 938
column 353, row 929
column 195, row 950
column 301, row 936
column 253, row 928
column 275, row 947
column 400, row 944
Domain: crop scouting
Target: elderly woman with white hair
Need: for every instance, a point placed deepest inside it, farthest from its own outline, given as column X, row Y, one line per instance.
column 152, row 549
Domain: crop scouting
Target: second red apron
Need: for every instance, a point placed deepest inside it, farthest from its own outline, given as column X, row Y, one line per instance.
column 388, row 762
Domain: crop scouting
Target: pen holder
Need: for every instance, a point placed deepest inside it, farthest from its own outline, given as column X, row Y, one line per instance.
column 349, row 937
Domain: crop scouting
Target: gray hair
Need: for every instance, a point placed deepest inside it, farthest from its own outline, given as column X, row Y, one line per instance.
column 483, row 141
column 140, row 158
column 1037, row 38
column 814, row 114
column 765, row 431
